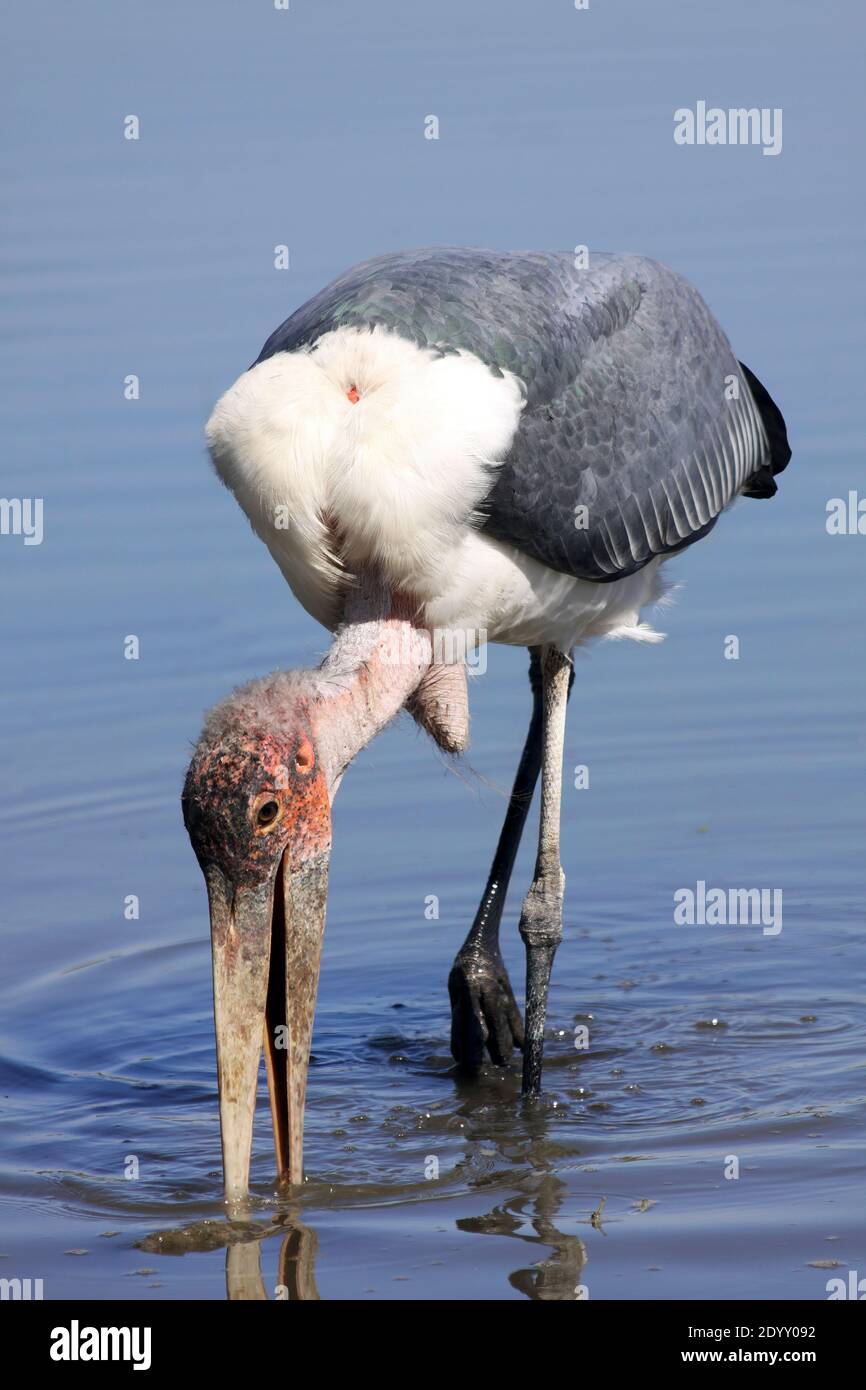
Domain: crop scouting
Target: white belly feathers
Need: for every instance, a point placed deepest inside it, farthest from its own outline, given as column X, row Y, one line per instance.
column 366, row 449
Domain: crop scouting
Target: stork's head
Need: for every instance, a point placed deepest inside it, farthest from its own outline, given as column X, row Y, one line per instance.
column 256, row 806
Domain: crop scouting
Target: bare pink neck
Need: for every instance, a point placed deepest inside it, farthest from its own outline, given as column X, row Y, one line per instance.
column 376, row 661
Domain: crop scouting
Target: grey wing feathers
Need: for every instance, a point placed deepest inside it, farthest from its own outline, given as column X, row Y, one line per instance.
column 639, row 426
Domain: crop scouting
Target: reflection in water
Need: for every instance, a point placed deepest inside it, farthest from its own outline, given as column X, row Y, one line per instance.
column 296, row 1267
column 535, row 1173
column 528, row 1216
column 557, row 1278
column 244, row 1281
column 296, row 1276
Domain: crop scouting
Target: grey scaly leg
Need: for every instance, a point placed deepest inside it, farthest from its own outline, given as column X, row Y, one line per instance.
column 541, row 919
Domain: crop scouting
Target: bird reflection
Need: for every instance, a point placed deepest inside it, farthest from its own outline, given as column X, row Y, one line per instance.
column 557, row 1278
column 529, row 1216
column 242, row 1239
column 531, row 1213
column 296, row 1267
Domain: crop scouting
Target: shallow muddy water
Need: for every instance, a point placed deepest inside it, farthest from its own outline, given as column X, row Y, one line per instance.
column 712, row 1049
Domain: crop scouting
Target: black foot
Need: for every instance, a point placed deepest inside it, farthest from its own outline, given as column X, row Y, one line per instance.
column 484, row 1012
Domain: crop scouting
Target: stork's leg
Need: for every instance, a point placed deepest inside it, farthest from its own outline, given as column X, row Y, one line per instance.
column 541, row 919
column 483, row 1007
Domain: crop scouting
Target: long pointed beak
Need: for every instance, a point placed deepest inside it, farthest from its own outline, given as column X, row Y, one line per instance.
column 267, row 944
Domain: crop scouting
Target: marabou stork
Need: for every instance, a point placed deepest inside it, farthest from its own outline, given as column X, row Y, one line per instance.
column 443, row 442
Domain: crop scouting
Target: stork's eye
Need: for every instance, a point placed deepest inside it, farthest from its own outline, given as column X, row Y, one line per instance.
column 267, row 814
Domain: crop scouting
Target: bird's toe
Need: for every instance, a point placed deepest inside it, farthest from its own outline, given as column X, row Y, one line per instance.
column 484, row 1012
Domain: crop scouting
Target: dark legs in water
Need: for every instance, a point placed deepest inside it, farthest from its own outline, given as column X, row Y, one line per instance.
column 483, row 1009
